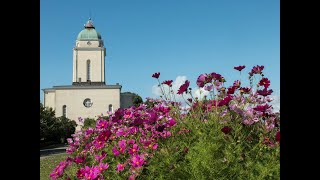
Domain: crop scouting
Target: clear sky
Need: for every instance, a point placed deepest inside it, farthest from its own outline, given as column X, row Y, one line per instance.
column 174, row 37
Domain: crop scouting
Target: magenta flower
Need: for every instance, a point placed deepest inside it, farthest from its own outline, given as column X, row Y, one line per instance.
column 156, row 75
column 122, row 144
column 262, row 108
column 278, row 136
column 132, row 177
column 101, row 157
column 97, row 144
column 265, row 92
column 137, row 161
column 120, row 167
column 134, row 149
column 80, row 173
column 79, row 159
column 184, row 87
column 208, row 88
column 231, row 90
column 103, row 167
column 264, row 82
column 225, row 101
column 171, row 122
column 168, row 82
column 104, row 136
column 239, row 68
column 91, row 173
column 257, row 69
column 155, row 146
column 131, row 141
column 236, row 83
column 101, row 124
column 58, row 170
column 216, row 76
column 115, row 151
column 226, row 129
column 89, row 131
column 245, row 90
column 201, row 81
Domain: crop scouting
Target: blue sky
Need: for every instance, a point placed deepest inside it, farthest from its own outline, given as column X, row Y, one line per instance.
column 174, row 37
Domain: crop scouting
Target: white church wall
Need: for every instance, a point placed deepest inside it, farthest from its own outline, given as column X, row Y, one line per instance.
column 49, row 99
column 74, row 98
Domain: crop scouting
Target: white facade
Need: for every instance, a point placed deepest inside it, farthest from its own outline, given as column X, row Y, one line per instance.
column 88, row 96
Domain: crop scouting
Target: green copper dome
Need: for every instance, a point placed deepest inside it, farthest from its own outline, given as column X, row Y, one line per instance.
column 89, row 33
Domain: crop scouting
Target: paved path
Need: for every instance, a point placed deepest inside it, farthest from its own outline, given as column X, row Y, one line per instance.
column 48, row 152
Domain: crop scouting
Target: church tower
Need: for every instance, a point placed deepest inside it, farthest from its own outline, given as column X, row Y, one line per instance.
column 89, row 96
column 89, row 57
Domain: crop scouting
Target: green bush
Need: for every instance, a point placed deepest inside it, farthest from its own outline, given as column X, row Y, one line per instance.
column 89, row 122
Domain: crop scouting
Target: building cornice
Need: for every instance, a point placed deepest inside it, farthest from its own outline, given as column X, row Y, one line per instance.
column 89, row 48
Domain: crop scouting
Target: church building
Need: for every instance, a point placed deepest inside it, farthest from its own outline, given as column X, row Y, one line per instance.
column 89, row 95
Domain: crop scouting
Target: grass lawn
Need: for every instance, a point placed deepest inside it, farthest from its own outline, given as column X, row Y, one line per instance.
column 47, row 164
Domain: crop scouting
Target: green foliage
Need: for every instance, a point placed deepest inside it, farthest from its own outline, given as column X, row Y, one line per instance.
column 207, row 153
column 137, row 100
column 89, row 122
column 53, row 129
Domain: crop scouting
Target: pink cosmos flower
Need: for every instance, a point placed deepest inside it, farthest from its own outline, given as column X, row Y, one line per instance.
column 156, row 75
column 264, row 82
column 183, row 88
column 216, row 76
column 131, row 141
column 155, row 146
column 115, row 151
column 132, row 177
column 122, row 144
column 101, row 124
column 91, row 173
column 120, row 167
column 134, row 149
column 225, row 101
column 257, row 69
column 245, row 90
column 104, row 136
column 79, row 159
column 201, row 81
column 137, row 161
column 265, row 92
column 89, row 131
column 101, row 157
column 236, row 83
column 103, row 167
column 239, row 68
column 208, row 88
column 171, row 122
column 80, row 173
column 168, row 82
column 231, row 90
column 262, row 108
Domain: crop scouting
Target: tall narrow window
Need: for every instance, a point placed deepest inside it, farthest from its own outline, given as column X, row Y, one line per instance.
column 64, row 111
column 110, row 108
column 88, row 70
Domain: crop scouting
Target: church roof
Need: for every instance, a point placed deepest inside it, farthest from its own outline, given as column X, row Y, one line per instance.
column 84, row 87
column 89, row 32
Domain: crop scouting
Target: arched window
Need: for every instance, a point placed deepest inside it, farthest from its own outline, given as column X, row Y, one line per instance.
column 64, row 111
column 88, row 70
column 110, row 108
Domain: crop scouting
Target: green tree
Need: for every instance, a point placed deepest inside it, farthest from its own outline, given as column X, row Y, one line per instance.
column 47, row 122
column 137, row 100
